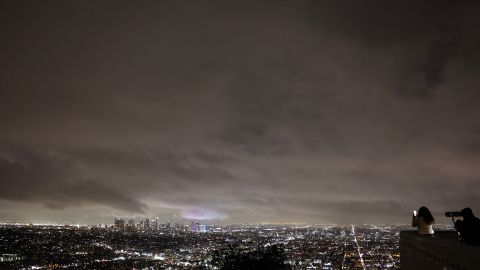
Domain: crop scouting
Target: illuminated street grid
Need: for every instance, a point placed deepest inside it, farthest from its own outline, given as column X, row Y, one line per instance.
column 165, row 246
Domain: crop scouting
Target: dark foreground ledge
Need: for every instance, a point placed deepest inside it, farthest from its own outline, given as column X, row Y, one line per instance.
column 441, row 251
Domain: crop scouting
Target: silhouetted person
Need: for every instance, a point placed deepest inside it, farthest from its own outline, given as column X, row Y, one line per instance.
column 423, row 220
column 469, row 227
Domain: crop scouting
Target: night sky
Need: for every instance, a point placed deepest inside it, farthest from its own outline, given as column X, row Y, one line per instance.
column 238, row 111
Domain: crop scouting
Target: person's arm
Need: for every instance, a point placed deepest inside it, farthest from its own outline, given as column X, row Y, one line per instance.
column 414, row 221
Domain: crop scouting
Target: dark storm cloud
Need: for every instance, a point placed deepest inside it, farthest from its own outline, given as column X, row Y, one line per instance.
column 431, row 32
column 261, row 111
column 56, row 181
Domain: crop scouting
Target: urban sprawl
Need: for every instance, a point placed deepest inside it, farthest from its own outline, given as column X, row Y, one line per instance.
column 150, row 244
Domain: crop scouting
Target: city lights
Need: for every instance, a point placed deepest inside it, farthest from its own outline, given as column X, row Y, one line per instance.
column 195, row 246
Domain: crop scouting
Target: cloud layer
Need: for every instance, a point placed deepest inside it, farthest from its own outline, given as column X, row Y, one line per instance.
column 262, row 111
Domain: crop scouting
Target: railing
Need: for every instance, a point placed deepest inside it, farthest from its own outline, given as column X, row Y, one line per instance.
column 441, row 251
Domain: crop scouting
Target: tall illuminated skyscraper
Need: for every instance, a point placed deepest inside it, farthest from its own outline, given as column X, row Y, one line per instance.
column 131, row 223
column 146, row 224
column 155, row 224
column 119, row 224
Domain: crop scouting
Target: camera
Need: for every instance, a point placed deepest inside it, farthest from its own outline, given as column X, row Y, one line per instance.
column 453, row 214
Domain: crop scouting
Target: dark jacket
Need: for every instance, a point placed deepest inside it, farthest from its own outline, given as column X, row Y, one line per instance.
column 469, row 229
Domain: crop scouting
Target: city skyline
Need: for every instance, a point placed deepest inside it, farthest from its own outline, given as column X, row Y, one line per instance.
column 238, row 112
